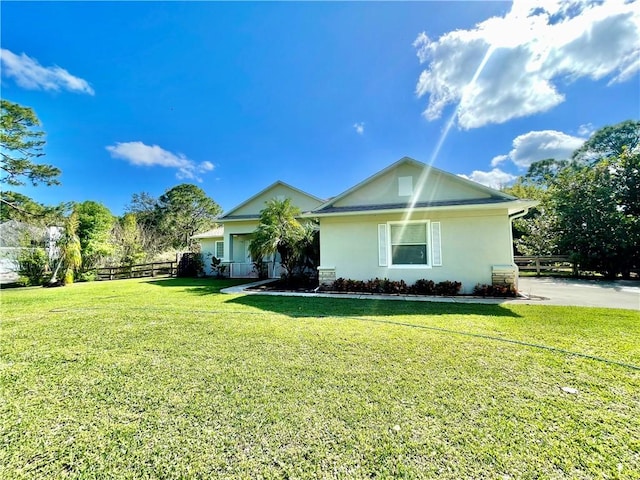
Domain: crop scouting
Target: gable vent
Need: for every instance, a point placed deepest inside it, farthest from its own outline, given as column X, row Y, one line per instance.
column 405, row 186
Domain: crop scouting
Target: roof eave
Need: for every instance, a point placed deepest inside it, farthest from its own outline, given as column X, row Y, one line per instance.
column 512, row 206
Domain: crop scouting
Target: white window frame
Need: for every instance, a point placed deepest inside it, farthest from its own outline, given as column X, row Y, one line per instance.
column 434, row 244
column 427, row 226
column 215, row 249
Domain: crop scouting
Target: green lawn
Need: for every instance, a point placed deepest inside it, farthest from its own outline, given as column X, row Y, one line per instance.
column 170, row 379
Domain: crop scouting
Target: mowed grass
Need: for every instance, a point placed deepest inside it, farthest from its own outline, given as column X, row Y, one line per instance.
column 170, row 379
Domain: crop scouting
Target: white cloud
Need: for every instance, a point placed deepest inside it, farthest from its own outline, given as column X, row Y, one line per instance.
column 137, row 153
column 539, row 145
column 206, row 166
column 586, row 129
column 496, row 178
column 509, row 67
column 359, row 126
column 498, row 159
column 29, row 74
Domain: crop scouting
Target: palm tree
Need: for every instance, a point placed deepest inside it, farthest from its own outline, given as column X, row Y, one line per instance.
column 70, row 258
column 279, row 232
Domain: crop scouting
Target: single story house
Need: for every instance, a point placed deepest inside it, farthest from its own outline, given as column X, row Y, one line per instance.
column 407, row 222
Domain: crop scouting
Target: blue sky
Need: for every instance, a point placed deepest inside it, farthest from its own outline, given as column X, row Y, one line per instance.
column 233, row 96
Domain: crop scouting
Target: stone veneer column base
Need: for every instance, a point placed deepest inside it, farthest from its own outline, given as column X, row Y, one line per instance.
column 326, row 275
column 504, row 275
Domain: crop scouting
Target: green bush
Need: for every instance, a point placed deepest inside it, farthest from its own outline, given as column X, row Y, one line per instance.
column 423, row 287
column 448, row 288
column 495, row 290
column 33, row 265
column 384, row 285
column 190, row 265
column 88, row 276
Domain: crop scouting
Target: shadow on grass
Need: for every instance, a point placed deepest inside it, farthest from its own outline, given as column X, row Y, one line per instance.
column 329, row 307
column 347, row 307
column 198, row 286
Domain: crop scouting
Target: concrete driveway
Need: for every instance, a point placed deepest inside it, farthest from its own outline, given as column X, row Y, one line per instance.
column 583, row 293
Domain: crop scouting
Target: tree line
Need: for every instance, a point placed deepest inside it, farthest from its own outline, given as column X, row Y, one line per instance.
column 589, row 204
column 92, row 236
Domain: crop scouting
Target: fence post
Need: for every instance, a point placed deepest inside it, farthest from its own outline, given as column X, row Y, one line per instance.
column 153, row 272
column 537, row 266
column 111, row 274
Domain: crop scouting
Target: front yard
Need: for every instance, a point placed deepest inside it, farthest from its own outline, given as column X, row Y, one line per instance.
column 169, row 379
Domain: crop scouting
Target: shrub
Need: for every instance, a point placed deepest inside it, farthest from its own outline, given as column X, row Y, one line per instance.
column 384, row 285
column 190, row 265
column 423, row 287
column 448, row 288
column 495, row 290
column 217, row 267
column 300, row 281
column 33, row 265
column 338, row 285
column 88, row 276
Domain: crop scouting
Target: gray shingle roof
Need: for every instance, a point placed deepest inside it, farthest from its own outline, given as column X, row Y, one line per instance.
column 399, row 206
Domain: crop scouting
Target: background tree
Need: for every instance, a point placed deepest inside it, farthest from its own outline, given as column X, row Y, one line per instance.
column 186, row 210
column 21, row 142
column 597, row 214
column 24, row 208
column 590, row 206
column 70, row 259
column 609, row 141
column 148, row 214
column 95, row 222
column 128, row 239
column 146, row 209
column 535, row 233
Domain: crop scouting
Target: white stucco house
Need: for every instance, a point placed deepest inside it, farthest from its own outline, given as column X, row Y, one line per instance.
column 407, row 222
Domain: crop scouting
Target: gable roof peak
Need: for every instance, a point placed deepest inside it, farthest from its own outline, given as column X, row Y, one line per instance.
column 265, row 190
column 427, row 170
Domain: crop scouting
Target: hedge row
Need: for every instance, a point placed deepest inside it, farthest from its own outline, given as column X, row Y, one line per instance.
column 384, row 285
column 421, row 287
column 495, row 290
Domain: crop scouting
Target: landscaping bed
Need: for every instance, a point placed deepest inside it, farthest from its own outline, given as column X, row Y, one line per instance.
column 385, row 286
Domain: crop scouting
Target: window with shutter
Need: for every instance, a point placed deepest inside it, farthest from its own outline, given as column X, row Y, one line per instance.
column 409, row 244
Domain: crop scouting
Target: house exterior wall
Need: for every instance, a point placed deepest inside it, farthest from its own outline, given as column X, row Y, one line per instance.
column 471, row 244
column 208, row 250
column 426, row 186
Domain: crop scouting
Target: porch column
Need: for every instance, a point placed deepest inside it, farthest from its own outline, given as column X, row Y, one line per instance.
column 228, row 247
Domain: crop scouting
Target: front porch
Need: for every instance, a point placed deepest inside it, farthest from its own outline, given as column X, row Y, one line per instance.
column 249, row 270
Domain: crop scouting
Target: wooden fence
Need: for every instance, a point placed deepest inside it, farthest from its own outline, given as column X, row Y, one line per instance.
column 136, row 271
column 551, row 263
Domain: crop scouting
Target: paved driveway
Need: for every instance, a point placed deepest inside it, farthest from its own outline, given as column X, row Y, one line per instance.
column 584, row 293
